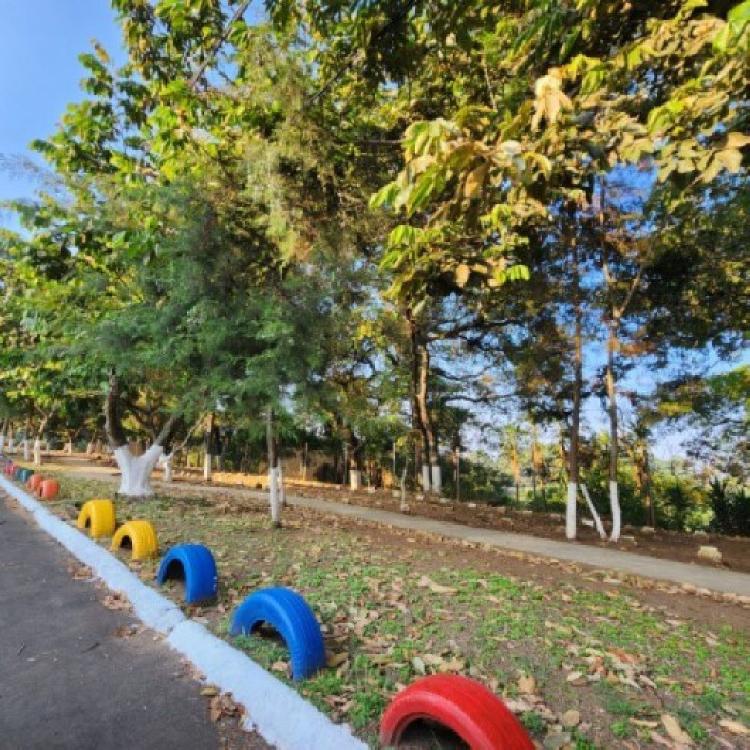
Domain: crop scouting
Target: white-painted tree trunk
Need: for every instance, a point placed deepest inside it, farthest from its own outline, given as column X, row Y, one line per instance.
column 89, row 449
column 281, row 486
column 436, row 479
column 570, row 511
column 37, row 452
column 11, row 446
column 2, row 443
column 26, row 449
column 614, row 502
column 208, row 463
column 166, row 464
column 355, row 479
column 69, row 447
column 426, row 477
column 597, row 519
column 136, row 470
column 273, row 496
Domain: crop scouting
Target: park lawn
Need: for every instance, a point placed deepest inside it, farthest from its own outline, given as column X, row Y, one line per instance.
column 582, row 668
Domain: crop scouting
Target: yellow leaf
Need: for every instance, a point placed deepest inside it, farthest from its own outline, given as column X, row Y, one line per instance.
column 462, row 274
column 737, row 140
column 475, row 181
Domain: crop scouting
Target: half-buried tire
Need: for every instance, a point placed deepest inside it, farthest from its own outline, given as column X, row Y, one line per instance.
column 292, row 618
column 462, row 705
column 98, row 516
column 140, row 536
column 195, row 564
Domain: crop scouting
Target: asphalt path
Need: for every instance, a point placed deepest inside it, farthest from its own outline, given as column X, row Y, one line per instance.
column 76, row 674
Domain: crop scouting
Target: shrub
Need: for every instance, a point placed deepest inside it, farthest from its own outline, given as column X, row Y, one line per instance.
column 731, row 507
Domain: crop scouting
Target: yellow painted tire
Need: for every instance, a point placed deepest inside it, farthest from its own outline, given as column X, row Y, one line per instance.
column 142, row 538
column 98, row 516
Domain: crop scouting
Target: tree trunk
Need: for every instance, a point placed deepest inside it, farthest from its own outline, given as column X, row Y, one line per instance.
column 208, row 447
column 647, row 488
column 575, row 417
column 614, row 500
column 597, row 519
column 431, row 475
column 135, row 470
column 37, row 452
column 273, row 475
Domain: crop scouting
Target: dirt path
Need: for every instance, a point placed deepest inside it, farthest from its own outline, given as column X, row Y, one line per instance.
column 699, row 576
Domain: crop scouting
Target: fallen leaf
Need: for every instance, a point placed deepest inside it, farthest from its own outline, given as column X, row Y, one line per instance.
column 419, row 666
column 571, row 718
column 675, row 731
column 735, row 727
column 427, row 583
column 334, row 660
column 526, row 684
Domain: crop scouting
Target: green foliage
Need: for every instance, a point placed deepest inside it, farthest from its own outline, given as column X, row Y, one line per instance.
column 731, row 507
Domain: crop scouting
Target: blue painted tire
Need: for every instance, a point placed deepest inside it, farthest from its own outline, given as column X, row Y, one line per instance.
column 292, row 618
column 194, row 563
column 24, row 474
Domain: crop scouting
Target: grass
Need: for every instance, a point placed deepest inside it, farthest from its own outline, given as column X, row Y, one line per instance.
column 391, row 611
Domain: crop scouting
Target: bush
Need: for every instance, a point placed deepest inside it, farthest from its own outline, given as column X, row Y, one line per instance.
column 731, row 507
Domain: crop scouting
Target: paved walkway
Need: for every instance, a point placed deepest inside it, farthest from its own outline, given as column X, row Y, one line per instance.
column 625, row 562
column 68, row 680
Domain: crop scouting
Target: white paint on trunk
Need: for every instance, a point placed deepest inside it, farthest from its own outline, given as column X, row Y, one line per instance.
column 281, row 485
column 597, row 519
column 437, row 479
column 570, row 511
column 273, row 496
column 166, row 464
column 614, row 502
column 136, row 470
column 69, row 447
column 11, row 446
column 26, row 449
column 2, row 443
column 89, row 449
column 37, row 452
column 208, row 461
column 355, row 479
column 426, row 477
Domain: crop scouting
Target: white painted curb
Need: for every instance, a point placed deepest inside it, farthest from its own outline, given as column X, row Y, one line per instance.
column 275, row 710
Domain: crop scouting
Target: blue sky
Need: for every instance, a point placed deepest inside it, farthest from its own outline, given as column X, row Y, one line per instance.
column 40, row 41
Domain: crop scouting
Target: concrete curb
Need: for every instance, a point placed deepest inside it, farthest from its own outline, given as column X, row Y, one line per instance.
column 275, row 710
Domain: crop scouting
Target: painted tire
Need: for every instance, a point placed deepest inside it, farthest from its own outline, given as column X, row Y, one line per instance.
column 18, row 473
column 48, row 489
column 196, row 565
column 142, row 537
column 462, row 705
column 24, row 475
column 98, row 516
column 293, row 619
column 34, row 481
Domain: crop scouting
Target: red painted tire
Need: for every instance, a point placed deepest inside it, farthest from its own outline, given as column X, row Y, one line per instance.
column 465, row 707
column 48, row 489
column 34, row 481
